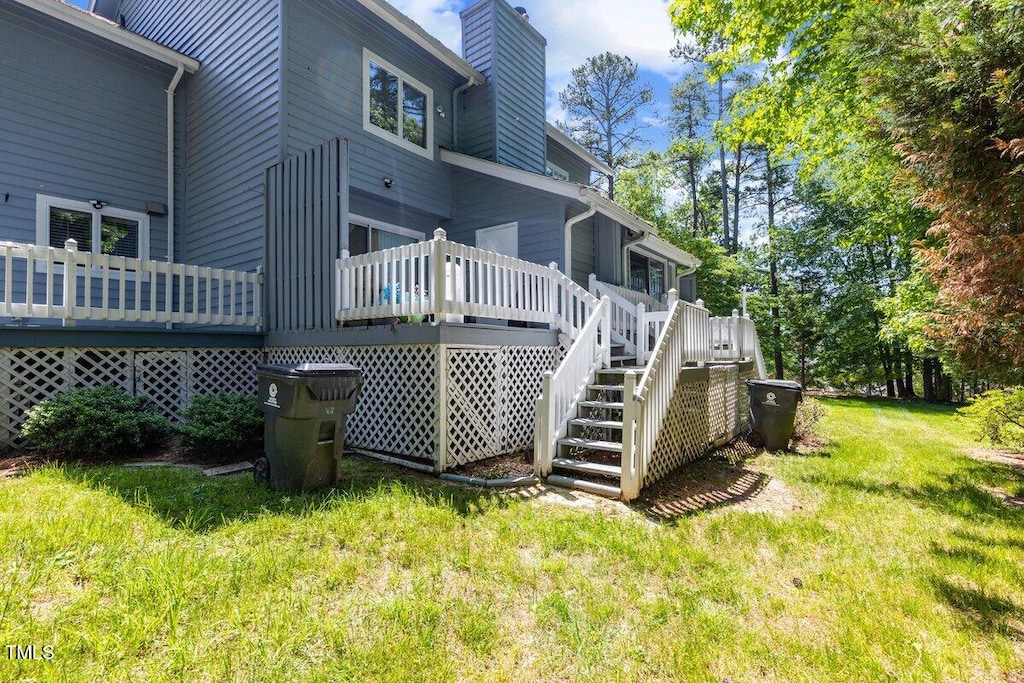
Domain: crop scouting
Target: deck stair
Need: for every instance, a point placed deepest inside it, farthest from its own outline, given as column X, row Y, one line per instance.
column 590, row 456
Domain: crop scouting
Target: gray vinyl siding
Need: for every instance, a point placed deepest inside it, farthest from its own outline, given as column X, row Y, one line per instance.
column 504, row 120
column 66, row 132
column 483, row 202
column 324, row 80
column 477, row 117
column 608, row 250
column 233, row 119
column 583, row 260
column 520, row 91
column 368, row 206
column 578, row 169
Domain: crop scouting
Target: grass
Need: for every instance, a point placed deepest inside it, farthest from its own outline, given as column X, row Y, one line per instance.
column 898, row 566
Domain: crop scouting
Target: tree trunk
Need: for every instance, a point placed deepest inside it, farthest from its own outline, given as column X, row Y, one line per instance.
column 737, row 170
column 773, row 270
column 901, row 387
column 928, row 379
column 908, row 367
column 721, row 166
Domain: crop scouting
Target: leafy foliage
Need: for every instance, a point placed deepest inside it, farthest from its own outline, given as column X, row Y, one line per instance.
column 98, row 422
column 226, row 424
column 998, row 416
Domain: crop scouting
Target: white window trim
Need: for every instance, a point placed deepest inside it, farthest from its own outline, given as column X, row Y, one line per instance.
column 45, row 202
column 402, row 78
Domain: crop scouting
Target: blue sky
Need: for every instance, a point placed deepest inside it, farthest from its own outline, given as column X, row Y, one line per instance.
column 575, row 30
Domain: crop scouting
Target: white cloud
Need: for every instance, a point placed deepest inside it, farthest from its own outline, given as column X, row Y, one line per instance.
column 575, row 30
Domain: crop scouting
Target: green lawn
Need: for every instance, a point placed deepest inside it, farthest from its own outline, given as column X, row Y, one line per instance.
column 908, row 570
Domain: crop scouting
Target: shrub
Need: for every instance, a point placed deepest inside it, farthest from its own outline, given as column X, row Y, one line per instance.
column 808, row 414
column 97, row 422
column 226, row 424
column 998, row 415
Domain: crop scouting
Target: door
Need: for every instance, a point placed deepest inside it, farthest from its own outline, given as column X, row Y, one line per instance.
column 501, row 239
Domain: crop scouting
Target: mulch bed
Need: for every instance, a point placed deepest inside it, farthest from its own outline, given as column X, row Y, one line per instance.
column 499, row 467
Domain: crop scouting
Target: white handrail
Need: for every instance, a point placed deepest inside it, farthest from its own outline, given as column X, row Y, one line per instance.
column 447, row 278
column 634, row 297
column 561, row 389
column 682, row 340
column 46, row 282
column 624, row 315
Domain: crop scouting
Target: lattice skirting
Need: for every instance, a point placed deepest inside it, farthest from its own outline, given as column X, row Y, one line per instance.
column 709, row 408
column 171, row 377
column 490, row 399
column 449, row 405
column 397, row 412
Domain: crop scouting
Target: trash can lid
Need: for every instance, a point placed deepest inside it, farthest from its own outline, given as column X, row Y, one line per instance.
column 311, row 370
column 777, row 383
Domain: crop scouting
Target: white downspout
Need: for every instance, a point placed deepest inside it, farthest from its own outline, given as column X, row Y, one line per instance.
column 591, row 210
column 170, row 160
column 456, row 94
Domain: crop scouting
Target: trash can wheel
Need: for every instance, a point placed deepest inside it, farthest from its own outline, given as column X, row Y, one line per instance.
column 261, row 471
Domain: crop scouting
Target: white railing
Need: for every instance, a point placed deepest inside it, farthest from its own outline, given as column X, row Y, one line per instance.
column 563, row 388
column 634, row 297
column 735, row 338
column 625, row 314
column 45, row 282
column 697, row 343
column 403, row 282
column 686, row 335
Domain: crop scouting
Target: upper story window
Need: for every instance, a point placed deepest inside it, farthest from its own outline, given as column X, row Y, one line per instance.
column 102, row 231
column 396, row 106
column 556, row 171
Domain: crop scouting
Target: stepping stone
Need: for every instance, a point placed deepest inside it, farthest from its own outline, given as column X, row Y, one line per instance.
column 228, row 469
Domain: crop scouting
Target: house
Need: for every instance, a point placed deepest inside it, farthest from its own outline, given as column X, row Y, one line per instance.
column 189, row 187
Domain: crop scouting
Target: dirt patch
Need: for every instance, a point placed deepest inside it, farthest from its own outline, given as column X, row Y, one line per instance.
column 18, row 463
column 499, row 467
column 1006, row 497
column 999, row 456
column 717, row 481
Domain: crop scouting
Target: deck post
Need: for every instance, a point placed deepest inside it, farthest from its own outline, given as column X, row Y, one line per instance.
column 606, row 331
column 737, row 336
column 70, row 282
column 641, row 334
column 439, row 264
column 553, row 297
column 545, row 427
column 440, row 461
column 630, row 469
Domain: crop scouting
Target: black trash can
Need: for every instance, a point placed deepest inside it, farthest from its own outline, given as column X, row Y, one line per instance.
column 305, row 408
column 773, row 410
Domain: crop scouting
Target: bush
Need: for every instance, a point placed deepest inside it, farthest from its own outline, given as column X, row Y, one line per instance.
column 98, row 422
column 998, row 416
column 227, row 424
column 808, row 414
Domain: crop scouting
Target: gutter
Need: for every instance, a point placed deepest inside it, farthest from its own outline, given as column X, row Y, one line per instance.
column 104, row 28
column 170, row 160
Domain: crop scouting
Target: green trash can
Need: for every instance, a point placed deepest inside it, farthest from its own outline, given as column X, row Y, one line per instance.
column 773, row 405
column 305, row 407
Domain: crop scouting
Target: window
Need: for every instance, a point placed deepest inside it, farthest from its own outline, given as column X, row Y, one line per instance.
column 366, row 235
column 397, row 107
column 646, row 275
column 101, row 231
column 555, row 171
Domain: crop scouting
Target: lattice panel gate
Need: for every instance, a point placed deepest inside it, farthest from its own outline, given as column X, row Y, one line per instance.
column 171, row 377
column 491, row 399
column 397, row 412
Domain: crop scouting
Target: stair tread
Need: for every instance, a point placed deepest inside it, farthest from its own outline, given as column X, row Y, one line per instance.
column 584, row 485
column 587, row 466
column 601, row 404
column 622, row 370
column 591, row 422
column 592, row 444
column 605, row 387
